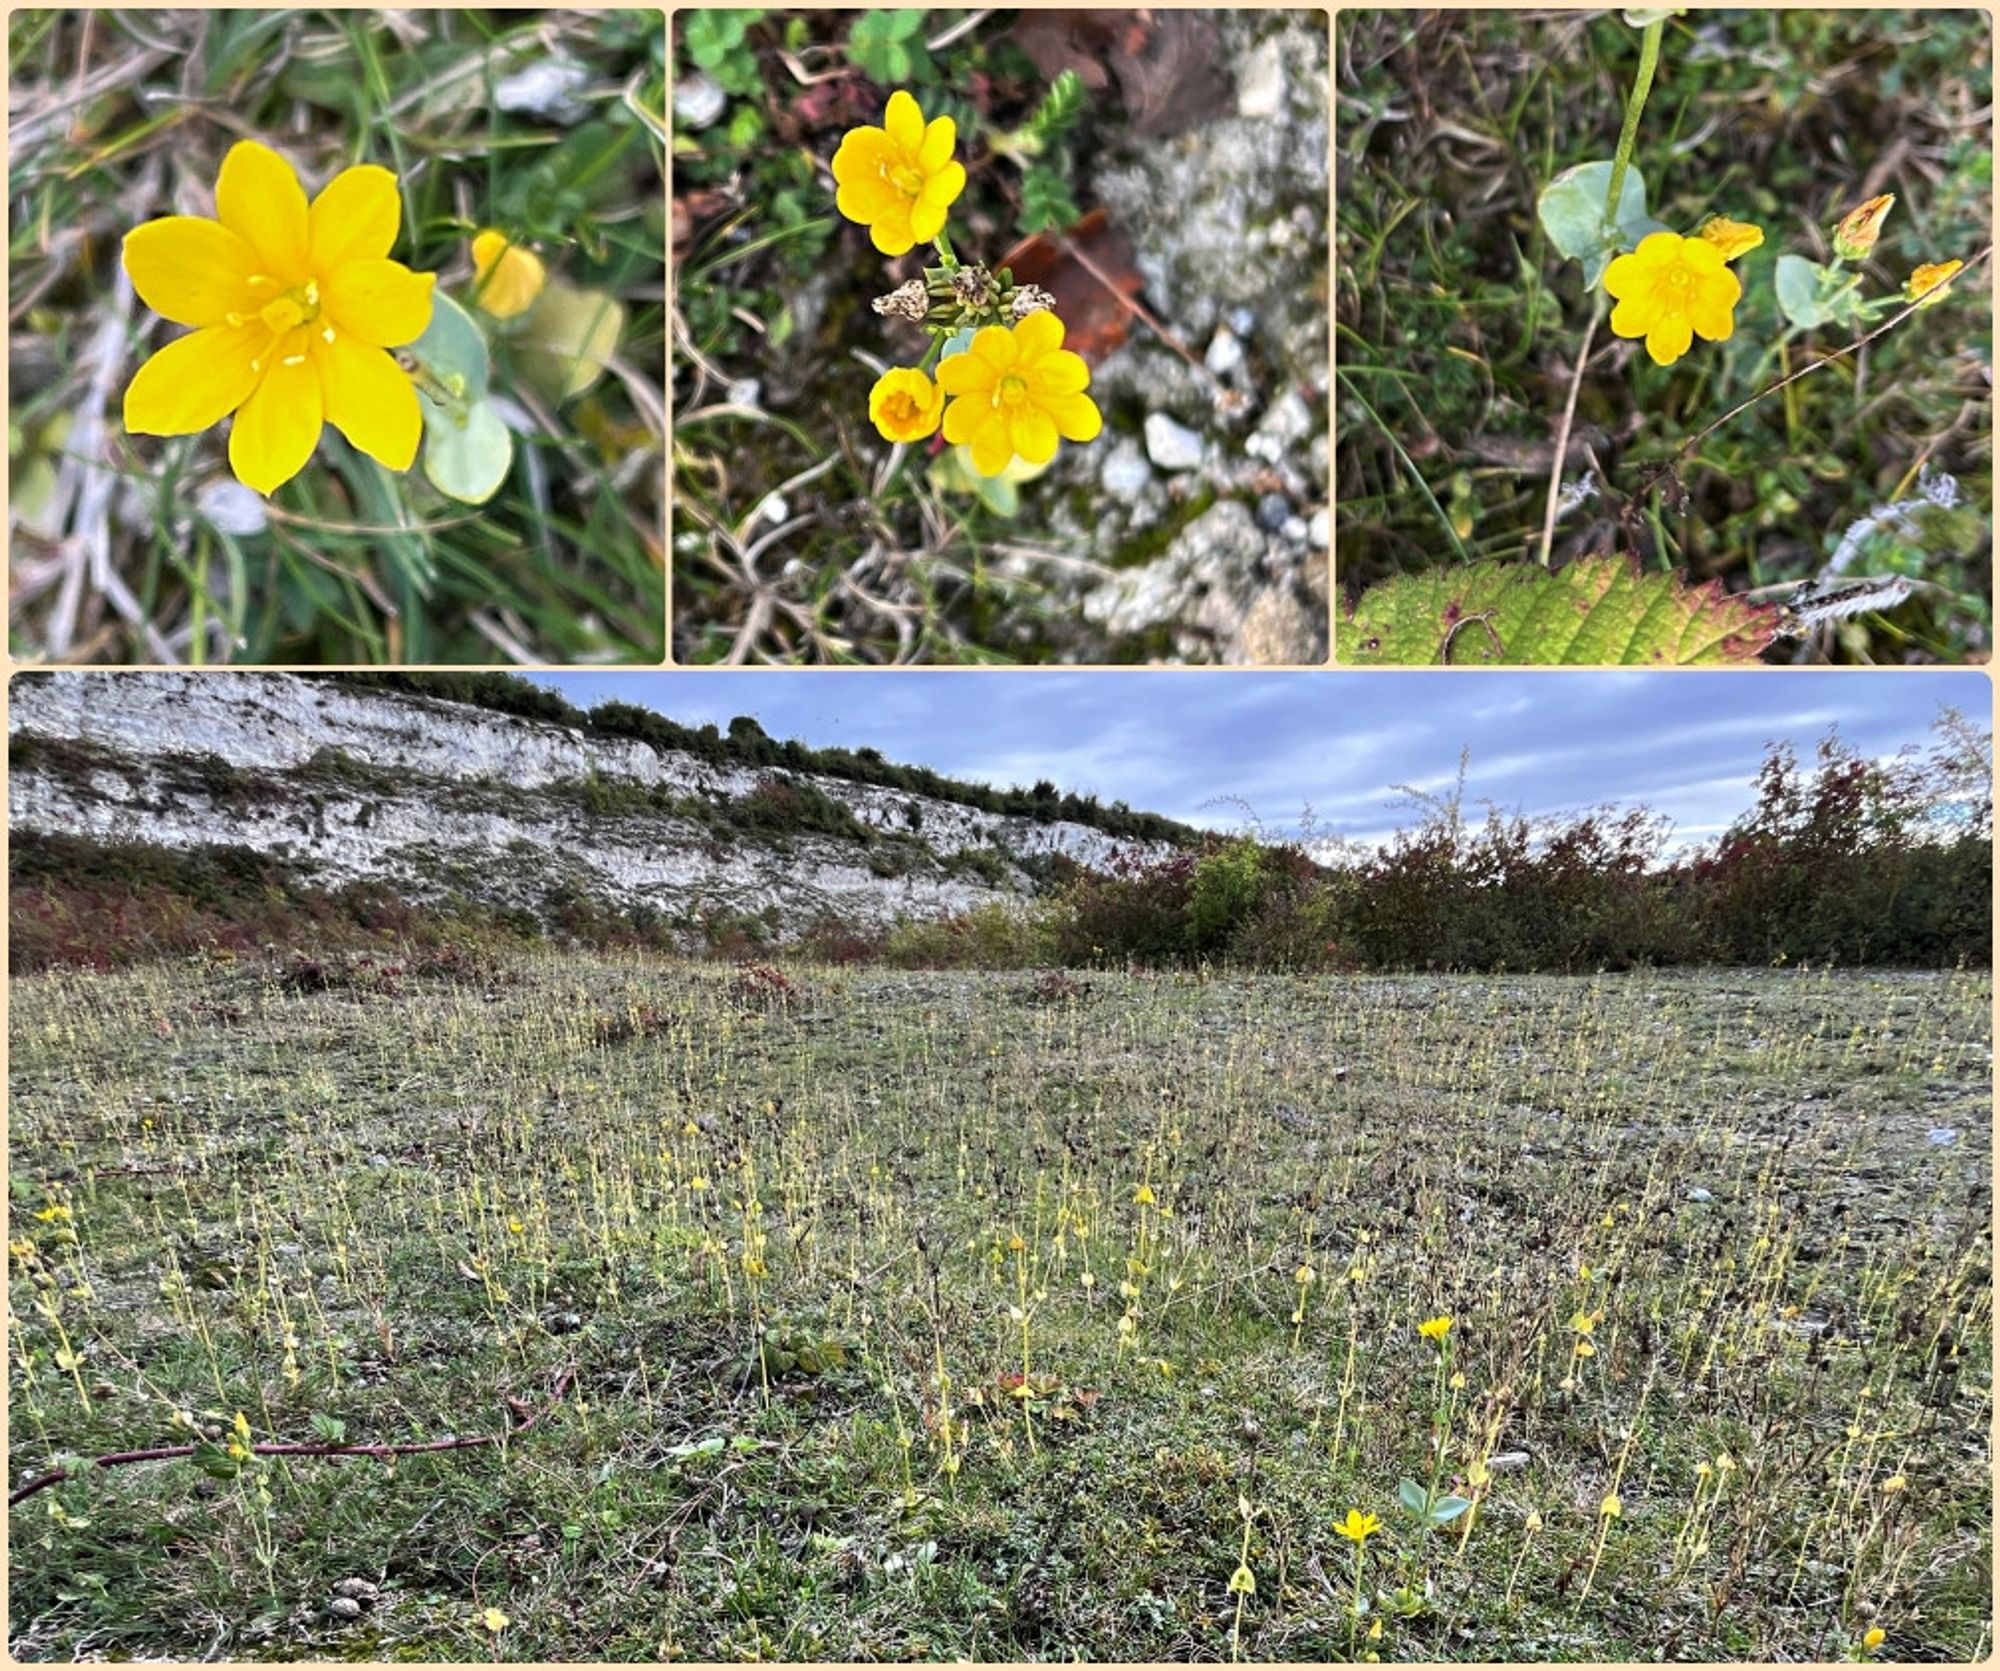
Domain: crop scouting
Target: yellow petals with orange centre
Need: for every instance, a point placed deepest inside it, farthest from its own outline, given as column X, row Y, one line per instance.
column 899, row 179
column 506, row 278
column 905, row 405
column 294, row 305
column 1670, row 290
column 1015, row 391
column 1854, row 238
column 1928, row 282
column 1732, row 237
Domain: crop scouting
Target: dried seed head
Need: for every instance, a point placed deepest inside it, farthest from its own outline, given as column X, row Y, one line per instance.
column 974, row 288
column 1030, row 298
column 906, row 301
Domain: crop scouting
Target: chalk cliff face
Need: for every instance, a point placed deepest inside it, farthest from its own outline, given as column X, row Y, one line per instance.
column 439, row 798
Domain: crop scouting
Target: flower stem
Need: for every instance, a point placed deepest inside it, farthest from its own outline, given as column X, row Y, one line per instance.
column 942, row 244
column 1642, row 84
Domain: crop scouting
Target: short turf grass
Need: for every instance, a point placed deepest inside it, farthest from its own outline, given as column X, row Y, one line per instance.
column 397, row 1203
column 118, row 550
column 1457, row 324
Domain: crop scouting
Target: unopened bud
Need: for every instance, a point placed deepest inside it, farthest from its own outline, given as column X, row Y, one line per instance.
column 1854, row 238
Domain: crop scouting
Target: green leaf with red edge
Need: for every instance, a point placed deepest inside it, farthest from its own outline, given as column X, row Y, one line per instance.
column 1596, row 612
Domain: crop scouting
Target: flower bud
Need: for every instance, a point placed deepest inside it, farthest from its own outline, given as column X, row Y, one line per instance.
column 1854, row 238
column 1929, row 281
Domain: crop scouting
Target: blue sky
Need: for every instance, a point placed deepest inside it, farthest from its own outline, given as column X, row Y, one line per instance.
column 1193, row 745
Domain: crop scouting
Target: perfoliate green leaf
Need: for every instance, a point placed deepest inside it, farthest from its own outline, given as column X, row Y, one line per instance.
column 1447, row 1509
column 466, row 454
column 1572, row 213
column 1411, row 1496
column 1805, row 291
column 452, row 351
column 568, row 338
column 1596, row 611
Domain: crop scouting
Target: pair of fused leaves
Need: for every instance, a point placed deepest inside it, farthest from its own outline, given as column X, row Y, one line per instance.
column 562, row 346
column 1810, row 294
column 1573, row 215
column 1597, row 611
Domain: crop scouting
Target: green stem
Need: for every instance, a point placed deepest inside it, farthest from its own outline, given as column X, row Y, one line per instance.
column 942, row 244
column 931, row 353
column 1642, row 84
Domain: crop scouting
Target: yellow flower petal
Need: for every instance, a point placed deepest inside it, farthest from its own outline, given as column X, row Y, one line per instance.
column 991, row 448
column 1634, row 316
column 1625, row 274
column 355, row 218
column 964, row 374
column 862, row 155
column 1032, row 434
column 891, row 232
column 191, row 270
column 369, row 399
column 1058, row 373
column 1711, row 320
column 195, row 381
column 381, row 302
column 1076, row 417
column 1668, row 340
column 1703, row 256
column 1040, row 333
column 995, row 344
column 278, row 427
column 258, row 197
column 1732, row 237
column 963, row 417
column 903, row 122
column 935, row 151
column 1930, row 279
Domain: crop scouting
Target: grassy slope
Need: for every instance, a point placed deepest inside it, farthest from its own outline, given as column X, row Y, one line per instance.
column 449, row 1194
column 562, row 564
column 1457, row 324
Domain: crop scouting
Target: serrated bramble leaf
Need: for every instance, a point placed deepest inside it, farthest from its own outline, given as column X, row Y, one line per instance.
column 1598, row 611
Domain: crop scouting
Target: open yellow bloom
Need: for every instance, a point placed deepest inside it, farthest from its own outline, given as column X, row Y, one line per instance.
column 1358, row 1527
column 1436, row 1329
column 899, row 179
column 906, row 406
column 1670, row 290
column 295, row 307
column 1016, row 389
column 506, row 278
column 1732, row 237
column 1930, row 279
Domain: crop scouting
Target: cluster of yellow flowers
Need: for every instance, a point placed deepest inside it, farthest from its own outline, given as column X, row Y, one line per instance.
column 1014, row 391
column 1672, row 289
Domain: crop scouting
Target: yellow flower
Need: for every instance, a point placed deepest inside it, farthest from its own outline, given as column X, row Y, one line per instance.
column 1358, row 1527
column 1732, row 237
column 1854, row 238
column 1016, row 389
column 1875, row 1637
column 1243, row 1582
column 899, row 179
column 1143, row 1195
column 1612, row 1507
column 905, row 404
column 1671, row 289
column 1930, row 279
column 294, row 308
column 1436, row 1329
column 1583, row 1322
column 506, row 278
column 494, row 1620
